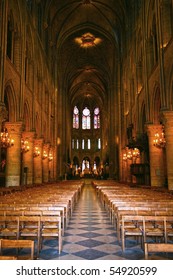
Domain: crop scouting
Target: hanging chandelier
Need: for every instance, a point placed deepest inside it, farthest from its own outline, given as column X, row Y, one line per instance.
column 44, row 155
column 24, row 146
column 6, row 140
column 159, row 140
column 50, row 156
column 131, row 154
column 36, row 152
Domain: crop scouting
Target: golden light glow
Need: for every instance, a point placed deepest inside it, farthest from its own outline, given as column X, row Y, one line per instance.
column 87, row 40
column 5, row 139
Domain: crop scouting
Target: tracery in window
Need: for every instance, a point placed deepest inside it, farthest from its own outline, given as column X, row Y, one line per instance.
column 75, row 118
column 96, row 118
column 86, row 119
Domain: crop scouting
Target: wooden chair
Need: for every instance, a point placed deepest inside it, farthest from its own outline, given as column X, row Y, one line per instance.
column 30, row 227
column 51, row 227
column 168, row 227
column 7, row 243
column 55, row 213
column 8, row 258
column 157, row 247
column 134, row 230
column 9, row 226
column 153, row 227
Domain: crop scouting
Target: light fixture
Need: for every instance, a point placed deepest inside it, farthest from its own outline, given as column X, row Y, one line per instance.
column 36, row 152
column 159, row 140
column 6, row 140
column 50, row 156
column 128, row 154
column 131, row 153
column 24, row 146
column 136, row 152
column 44, row 155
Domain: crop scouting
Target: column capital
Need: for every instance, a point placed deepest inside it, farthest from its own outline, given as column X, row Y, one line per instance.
column 46, row 145
column 30, row 135
column 167, row 117
column 39, row 142
column 152, row 129
column 14, row 127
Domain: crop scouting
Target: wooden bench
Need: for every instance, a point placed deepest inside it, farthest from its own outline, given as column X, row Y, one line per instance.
column 18, row 244
column 157, row 248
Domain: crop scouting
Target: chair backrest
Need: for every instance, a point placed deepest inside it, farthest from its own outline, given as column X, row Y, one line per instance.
column 157, row 247
column 7, row 243
column 51, row 219
column 8, row 258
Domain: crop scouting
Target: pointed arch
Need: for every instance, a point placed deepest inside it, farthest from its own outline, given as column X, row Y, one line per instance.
column 27, row 116
column 156, row 105
column 10, row 102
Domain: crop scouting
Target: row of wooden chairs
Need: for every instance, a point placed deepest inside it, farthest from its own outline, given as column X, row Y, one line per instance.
column 32, row 227
column 146, row 227
column 137, row 212
column 36, row 211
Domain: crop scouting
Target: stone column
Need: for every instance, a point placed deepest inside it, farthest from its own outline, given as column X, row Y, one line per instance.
column 46, row 163
column 51, row 164
column 27, row 159
column 168, row 123
column 13, row 166
column 157, row 171
column 38, row 168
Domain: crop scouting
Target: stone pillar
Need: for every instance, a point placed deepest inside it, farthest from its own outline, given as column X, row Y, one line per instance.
column 38, row 168
column 13, row 166
column 3, row 113
column 51, row 164
column 46, row 163
column 27, row 159
column 157, row 171
column 168, row 124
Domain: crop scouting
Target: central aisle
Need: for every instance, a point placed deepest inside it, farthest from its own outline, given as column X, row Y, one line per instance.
column 89, row 235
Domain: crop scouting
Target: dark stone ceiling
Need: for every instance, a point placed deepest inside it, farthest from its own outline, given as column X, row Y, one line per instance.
column 88, row 37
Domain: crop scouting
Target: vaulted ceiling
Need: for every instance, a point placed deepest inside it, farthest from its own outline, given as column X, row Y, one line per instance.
column 88, row 38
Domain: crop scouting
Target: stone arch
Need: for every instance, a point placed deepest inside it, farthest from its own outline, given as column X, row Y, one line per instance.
column 156, row 105
column 11, row 102
column 37, row 124
column 27, row 117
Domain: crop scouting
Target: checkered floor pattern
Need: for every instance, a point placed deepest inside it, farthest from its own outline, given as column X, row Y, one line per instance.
column 90, row 235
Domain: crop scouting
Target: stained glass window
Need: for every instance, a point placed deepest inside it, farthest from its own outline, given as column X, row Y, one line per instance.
column 96, row 118
column 83, row 144
column 75, row 118
column 99, row 143
column 89, row 144
column 86, row 119
column 77, row 144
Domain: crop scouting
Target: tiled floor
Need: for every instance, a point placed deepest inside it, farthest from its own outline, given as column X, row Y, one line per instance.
column 90, row 235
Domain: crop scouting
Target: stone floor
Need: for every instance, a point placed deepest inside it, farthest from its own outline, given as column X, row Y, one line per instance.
column 91, row 236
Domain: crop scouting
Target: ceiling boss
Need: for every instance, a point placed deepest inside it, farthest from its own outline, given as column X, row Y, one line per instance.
column 87, row 40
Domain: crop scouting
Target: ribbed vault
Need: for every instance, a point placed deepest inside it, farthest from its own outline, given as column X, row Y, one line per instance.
column 86, row 63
